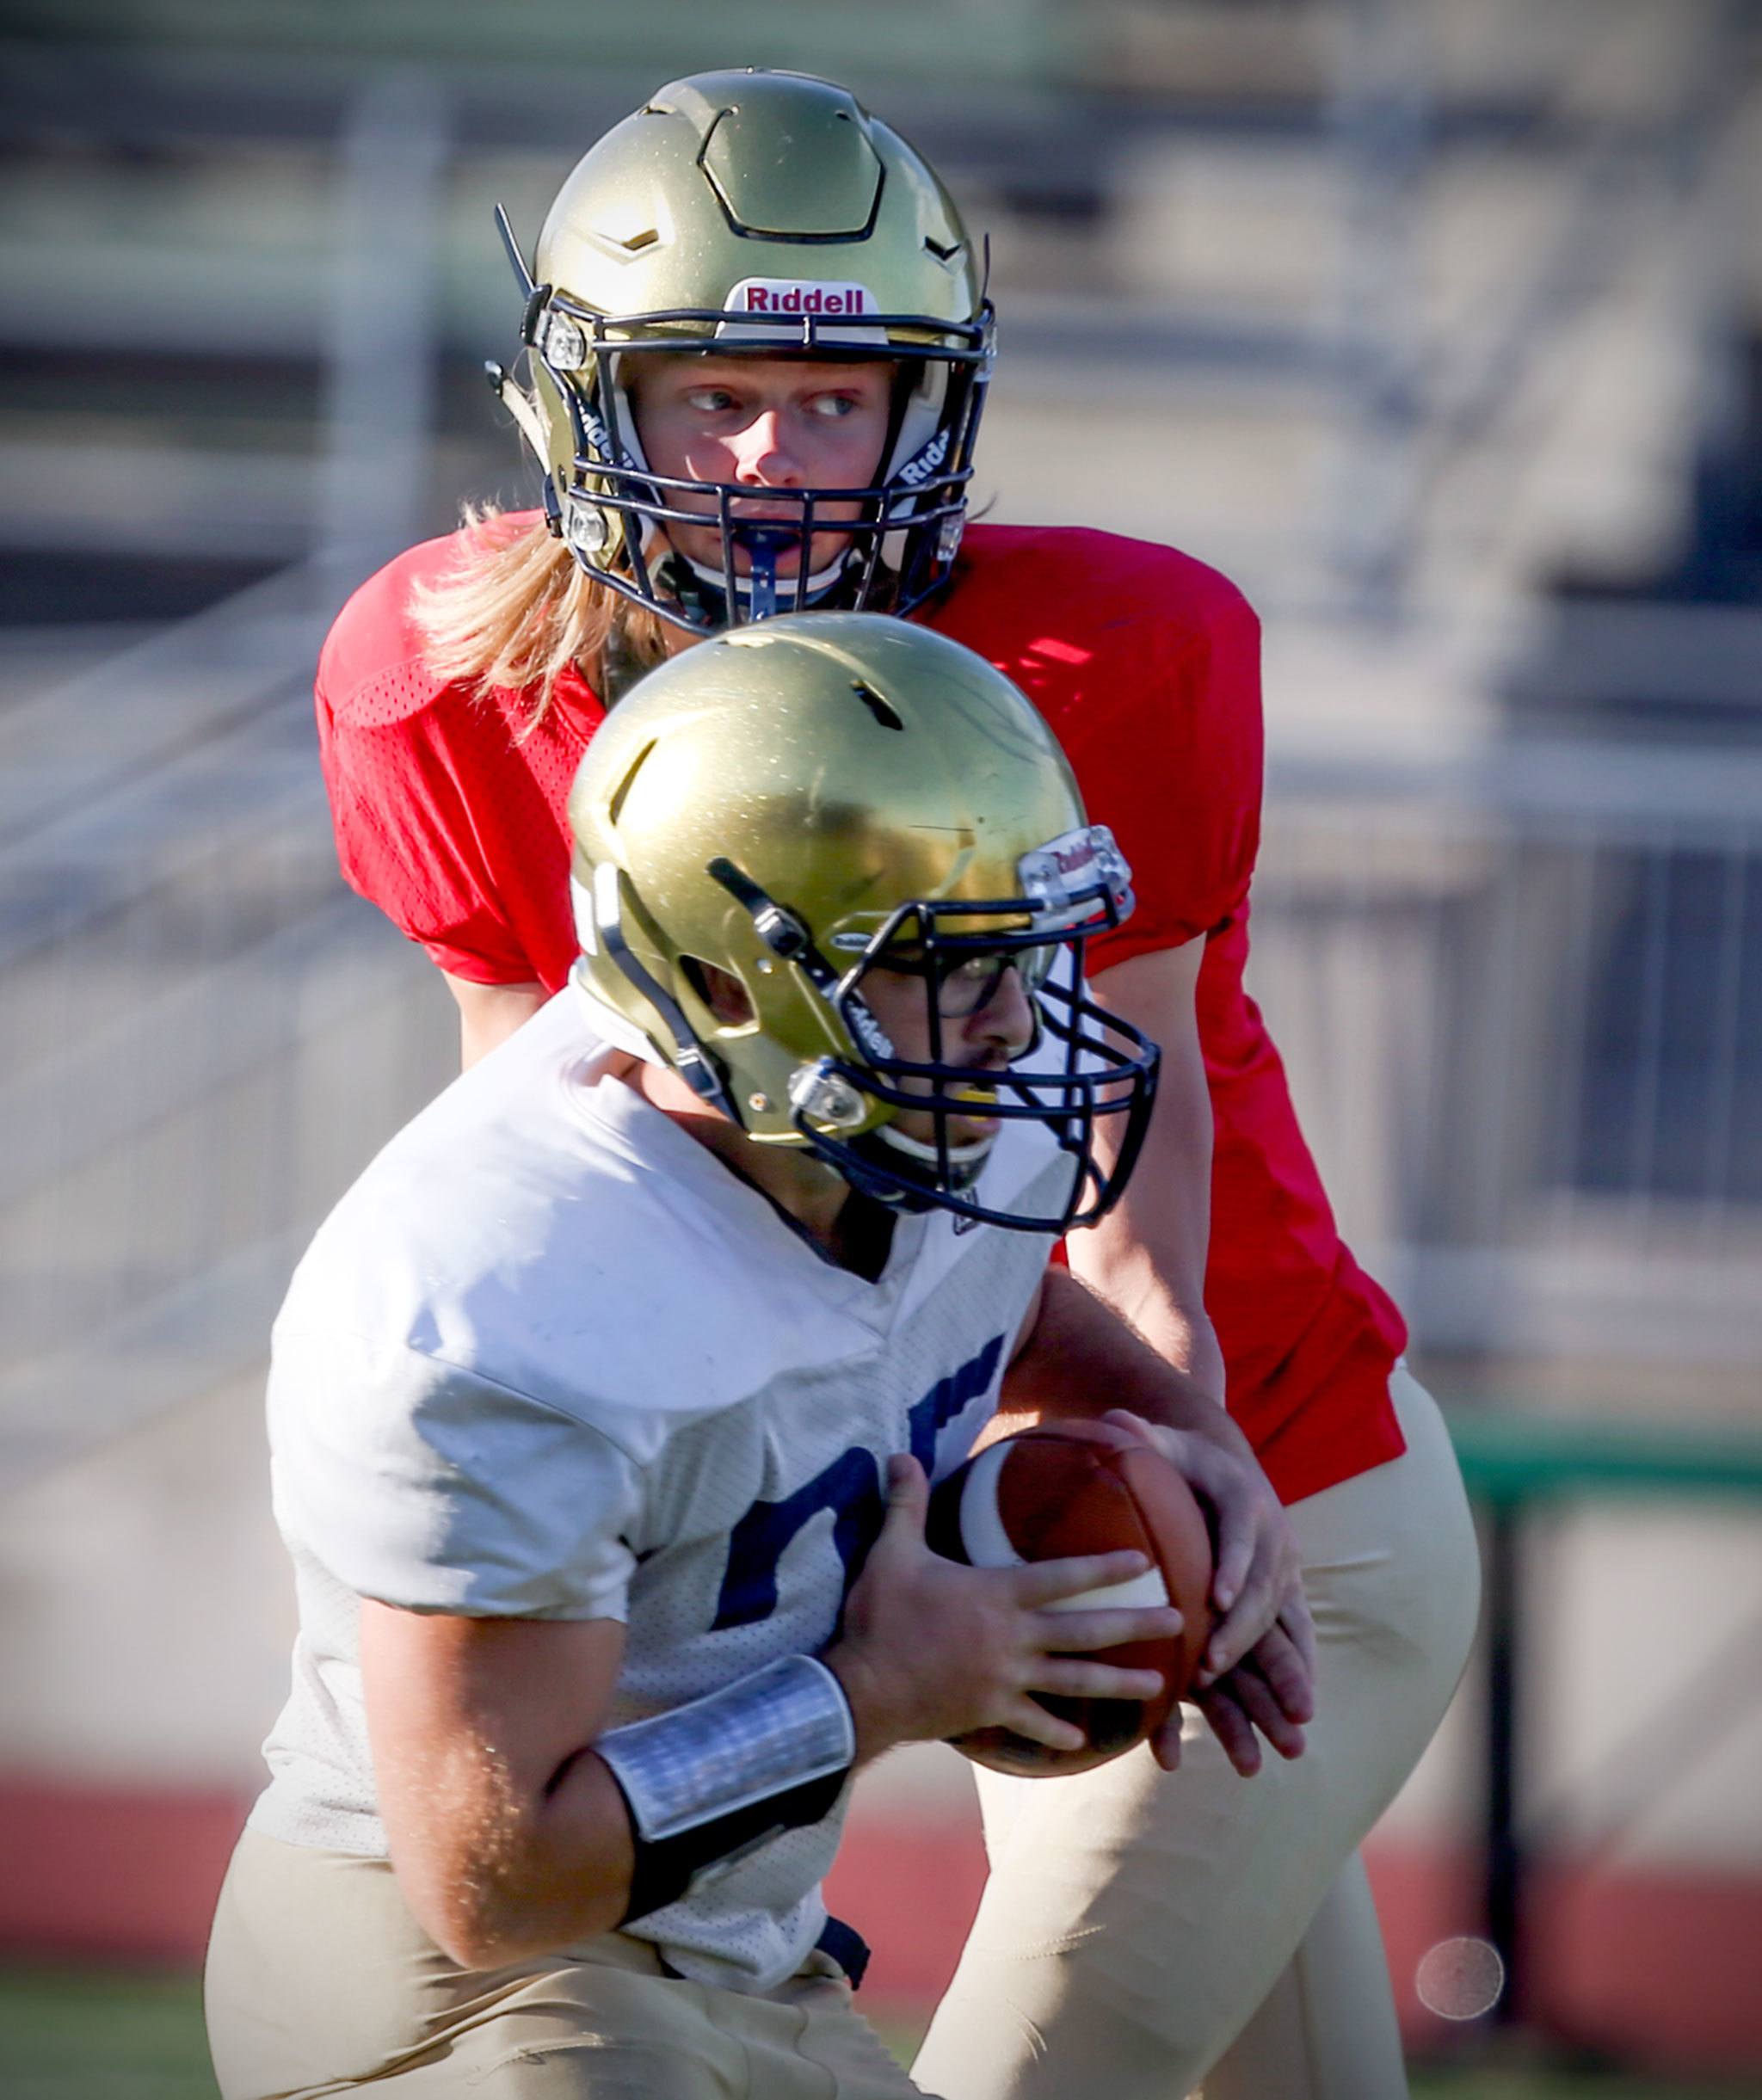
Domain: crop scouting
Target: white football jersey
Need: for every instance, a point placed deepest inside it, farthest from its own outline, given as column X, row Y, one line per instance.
column 550, row 1359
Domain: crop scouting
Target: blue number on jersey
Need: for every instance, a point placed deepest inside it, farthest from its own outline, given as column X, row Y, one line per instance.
column 851, row 1488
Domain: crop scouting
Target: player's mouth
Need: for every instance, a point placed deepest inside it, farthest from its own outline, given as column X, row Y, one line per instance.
column 977, row 1098
column 704, row 543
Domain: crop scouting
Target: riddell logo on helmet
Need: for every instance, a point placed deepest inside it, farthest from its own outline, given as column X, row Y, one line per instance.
column 790, row 295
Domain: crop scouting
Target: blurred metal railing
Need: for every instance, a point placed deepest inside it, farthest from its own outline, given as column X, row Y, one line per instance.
column 1522, row 1006
column 204, row 1036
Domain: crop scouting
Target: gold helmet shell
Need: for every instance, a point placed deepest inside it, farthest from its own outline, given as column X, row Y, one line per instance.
column 763, row 213
column 790, row 803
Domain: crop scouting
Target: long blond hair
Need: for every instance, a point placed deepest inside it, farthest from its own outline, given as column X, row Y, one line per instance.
column 517, row 610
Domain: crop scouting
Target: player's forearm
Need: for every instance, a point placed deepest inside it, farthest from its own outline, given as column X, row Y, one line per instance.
column 1147, row 1258
column 1082, row 1359
column 1127, row 1277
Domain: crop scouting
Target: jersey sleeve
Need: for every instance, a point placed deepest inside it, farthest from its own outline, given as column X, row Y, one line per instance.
column 428, row 1486
column 405, row 838
column 1174, row 767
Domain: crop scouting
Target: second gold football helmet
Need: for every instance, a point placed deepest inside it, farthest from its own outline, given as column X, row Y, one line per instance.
column 797, row 803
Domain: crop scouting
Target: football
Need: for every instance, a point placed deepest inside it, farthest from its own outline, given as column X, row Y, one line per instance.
column 1079, row 1487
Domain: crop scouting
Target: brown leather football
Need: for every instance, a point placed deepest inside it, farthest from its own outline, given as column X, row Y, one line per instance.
column 1078, row 1487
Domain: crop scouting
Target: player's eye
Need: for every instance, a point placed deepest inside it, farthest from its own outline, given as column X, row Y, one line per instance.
column 709, row 400
column 973, row 982
column 833, row 408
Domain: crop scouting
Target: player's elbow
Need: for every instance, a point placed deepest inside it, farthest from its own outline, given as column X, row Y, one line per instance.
column 472, row 1943
column 478, row 1942
column 479, row 1928
column 456, row 1906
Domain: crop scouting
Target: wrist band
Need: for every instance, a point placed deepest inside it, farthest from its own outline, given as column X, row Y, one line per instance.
column 710, row 1781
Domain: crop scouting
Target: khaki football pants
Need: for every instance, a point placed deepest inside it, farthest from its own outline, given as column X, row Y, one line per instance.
column 320, row 1981
column 1142, row 1931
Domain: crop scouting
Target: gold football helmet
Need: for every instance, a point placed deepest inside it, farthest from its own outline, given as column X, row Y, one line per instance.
column 766, row 214
column 800, row 803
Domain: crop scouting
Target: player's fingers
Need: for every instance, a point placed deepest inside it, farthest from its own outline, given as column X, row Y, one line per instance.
column 1282, row 1664
column 1254, row 1697
column 908, row 1503
column 1165, row 1743
column 1232, row 1493
column 1296, row 1617
column 1239, row 1542
column 1077, row 1679
column 1234, row 1730
column 1081, row 1632
column 1042, row 1582
column 1241, row 1629
column 1146, row 1432
column 1028, row 1717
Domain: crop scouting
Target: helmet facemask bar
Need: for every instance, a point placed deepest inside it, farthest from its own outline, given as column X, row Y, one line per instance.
column 899, row 545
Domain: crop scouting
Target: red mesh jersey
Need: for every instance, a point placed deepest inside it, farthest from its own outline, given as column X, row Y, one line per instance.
column 1146, row 664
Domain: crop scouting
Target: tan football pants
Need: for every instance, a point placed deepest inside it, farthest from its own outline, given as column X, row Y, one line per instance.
column 1141, row 1933
column 320, row 1981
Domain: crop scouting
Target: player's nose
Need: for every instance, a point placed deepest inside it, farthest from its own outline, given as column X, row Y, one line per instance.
column 1006, row 1017
column 764, row 459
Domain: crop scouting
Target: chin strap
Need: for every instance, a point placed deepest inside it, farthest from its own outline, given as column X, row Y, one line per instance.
column 702, row 592
column 763, row 549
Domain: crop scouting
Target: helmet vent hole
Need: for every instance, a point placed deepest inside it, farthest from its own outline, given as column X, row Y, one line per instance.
column 942, row 254
column 636, row 241
column 876, row 706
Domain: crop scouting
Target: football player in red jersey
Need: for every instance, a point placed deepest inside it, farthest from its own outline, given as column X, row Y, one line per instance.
column 758, row 346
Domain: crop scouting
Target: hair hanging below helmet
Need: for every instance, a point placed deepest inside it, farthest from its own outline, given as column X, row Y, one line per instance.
column 798, row 805
column 752, row 215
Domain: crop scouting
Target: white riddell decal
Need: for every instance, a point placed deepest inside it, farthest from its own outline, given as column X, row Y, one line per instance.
column 791, row 295
column 926, row 462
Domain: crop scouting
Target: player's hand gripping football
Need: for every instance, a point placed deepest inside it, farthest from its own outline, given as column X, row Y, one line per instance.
column 1258, row 1675
column 931, row 1650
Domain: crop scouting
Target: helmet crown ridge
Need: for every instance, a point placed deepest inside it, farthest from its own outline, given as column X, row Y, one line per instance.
column 825, row 182
column 714, row 168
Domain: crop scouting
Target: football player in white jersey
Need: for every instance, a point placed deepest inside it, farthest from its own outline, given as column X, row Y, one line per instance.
column 631, row 1358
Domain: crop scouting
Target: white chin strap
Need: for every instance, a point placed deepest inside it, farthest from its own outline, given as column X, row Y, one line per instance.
column 928, row 1156
column 819, row 582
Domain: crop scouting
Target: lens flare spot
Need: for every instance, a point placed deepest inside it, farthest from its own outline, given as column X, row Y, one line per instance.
column 1460, row 1978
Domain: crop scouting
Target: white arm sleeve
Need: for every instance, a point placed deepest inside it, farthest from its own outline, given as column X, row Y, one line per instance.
column 428, row 1486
